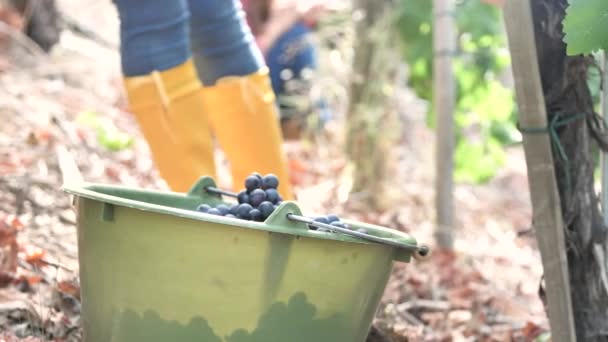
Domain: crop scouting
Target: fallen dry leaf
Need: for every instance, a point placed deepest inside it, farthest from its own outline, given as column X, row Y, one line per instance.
column 35, row 257
column 69, row 287
column 9, row 247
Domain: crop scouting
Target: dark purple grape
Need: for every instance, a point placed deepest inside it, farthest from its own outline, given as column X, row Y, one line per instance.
column 243, row 197
column 223, row 209
column 252, row 183
column 258, row 175
column 266, row 208
column 338, row 224
column 321, row 219
column 272, row 195
column 214, row 211
column 243, row 211
column 332, row 218
column 234, row 209
column 256, row 197
column 270, row 181
column 256, row 215
column 203, row 208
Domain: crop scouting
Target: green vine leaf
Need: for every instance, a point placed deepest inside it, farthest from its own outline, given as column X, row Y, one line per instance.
column 585, row 26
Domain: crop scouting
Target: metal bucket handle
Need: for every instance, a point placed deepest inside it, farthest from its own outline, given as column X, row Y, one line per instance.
column 419, row 252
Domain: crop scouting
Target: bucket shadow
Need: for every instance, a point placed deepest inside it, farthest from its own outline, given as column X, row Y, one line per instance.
column 150, row 327
column 293, row 321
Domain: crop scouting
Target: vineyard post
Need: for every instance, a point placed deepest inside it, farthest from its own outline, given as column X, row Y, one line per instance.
column 547, row 214
column 604, row 111
column 444, row 47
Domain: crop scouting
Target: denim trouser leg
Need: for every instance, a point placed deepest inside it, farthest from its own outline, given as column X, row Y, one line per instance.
column 160, row 34
column 154, row 35
column 222, row 43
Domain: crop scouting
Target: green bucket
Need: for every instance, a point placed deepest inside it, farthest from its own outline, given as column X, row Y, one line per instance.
column 152, row 268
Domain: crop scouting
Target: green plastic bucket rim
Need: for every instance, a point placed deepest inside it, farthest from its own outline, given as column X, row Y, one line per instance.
column 275, row 223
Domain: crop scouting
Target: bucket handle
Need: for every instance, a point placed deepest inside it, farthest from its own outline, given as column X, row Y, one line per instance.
column 419, row 251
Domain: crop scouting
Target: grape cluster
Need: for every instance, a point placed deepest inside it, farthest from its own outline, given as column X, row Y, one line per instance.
column 333, row 220
column 260, row 199
column 256, row 202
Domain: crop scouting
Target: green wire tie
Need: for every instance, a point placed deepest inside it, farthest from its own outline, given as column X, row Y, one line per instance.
column 556, row 122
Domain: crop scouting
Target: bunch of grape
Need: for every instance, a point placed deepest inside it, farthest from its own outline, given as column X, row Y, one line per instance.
column 256, row 202
column 260, row 199
column 332, row 220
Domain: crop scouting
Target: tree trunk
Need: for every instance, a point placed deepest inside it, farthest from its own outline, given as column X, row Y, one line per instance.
column 564, row 81
column 371, row 119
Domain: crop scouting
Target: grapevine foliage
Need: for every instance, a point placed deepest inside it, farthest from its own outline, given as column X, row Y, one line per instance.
column 585, row 26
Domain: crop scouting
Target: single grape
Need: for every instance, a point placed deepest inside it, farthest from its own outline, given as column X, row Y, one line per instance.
column 338, row 224
column 234, row 209
column 258, row 175
column 266, row 208
column 243, row 197
column 256, row 215
column 223, row 209
column 252, row 183
column 272, row 195
column 321, row 219
column 243, row 211
column 214, row 211
column 270, row 181
column 256, row 197
column 203, row 208
column 332, row 218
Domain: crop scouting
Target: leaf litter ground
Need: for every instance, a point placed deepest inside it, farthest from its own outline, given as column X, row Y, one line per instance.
column 485, row 290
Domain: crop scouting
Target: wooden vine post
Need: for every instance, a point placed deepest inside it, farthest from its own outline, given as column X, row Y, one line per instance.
column 547, row 214
column 444, row 94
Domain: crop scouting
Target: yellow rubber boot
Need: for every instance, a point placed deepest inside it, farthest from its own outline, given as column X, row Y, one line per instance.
column 169, row 108
column 245, row 120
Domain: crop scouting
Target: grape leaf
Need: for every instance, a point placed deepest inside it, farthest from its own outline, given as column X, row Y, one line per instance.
column 585, row 26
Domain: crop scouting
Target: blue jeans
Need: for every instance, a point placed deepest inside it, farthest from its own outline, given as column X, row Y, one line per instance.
column 157, row 35
column 292, row 51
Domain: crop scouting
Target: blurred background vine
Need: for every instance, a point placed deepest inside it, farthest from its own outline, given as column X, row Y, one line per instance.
column 485, row 114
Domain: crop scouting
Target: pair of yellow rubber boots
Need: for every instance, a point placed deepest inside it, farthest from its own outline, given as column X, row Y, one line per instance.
column 178, row 116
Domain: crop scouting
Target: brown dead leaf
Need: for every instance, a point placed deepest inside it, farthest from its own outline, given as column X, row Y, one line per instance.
column 69, row 288
column 113, row 173
column 15, row 222
column 35, row 256
column 295, row 177
column 25, row 283
column 9, row 248
column 531, row 331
